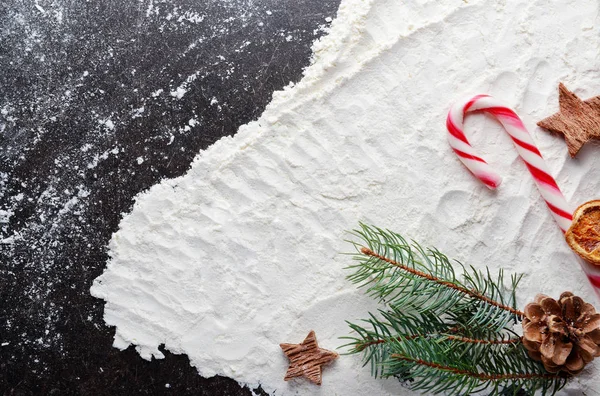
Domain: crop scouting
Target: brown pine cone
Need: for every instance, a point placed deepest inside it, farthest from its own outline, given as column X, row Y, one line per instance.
column 563, row 334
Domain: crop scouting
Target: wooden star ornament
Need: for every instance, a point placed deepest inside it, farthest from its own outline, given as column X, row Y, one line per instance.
column 307, row 358
column 578, row 120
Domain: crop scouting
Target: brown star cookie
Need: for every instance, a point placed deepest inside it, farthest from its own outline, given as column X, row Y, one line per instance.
column 307, row 358
column 578, row 120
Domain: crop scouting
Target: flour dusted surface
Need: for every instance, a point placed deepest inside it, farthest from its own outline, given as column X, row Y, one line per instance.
column 243, row 252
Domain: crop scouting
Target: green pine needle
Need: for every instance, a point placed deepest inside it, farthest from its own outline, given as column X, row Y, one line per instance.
column 440, row 331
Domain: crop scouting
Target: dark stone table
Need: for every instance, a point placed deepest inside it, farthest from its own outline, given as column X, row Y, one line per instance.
column 100, row 100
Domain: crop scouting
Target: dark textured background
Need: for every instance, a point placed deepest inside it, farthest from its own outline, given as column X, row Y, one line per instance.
column 99, row 100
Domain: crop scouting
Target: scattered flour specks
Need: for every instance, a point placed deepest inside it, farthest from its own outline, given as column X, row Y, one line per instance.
column 179, row 92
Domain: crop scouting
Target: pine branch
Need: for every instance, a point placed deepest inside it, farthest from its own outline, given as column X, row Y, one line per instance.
column 360, row 346
column 469, row 292
column 494, row 380
column 409, row 326
column 445, row 332
column 406, row 276
column 379, row 336
column 474, row 374
column 438, row 368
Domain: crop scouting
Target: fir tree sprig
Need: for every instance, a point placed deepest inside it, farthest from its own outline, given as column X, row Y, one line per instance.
column 447, row 333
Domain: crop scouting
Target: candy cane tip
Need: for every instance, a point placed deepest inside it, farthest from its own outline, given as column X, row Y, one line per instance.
column 491, row 182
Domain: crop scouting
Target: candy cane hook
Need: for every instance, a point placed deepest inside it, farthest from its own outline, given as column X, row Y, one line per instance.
column 525, row 147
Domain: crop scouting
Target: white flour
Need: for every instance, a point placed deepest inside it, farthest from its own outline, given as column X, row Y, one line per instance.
column 243, row 252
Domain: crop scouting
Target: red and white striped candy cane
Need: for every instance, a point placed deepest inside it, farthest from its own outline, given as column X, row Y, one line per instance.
column 525, row 146
column 527, row 150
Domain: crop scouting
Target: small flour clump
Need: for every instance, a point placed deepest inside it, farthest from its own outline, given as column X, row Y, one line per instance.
column 243, row 252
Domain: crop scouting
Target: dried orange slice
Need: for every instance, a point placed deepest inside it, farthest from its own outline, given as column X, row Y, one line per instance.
column 584, row 234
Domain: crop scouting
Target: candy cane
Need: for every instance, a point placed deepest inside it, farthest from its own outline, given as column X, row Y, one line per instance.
column 527, row 150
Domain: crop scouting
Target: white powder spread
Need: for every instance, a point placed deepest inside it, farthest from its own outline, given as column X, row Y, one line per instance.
column 243, row 252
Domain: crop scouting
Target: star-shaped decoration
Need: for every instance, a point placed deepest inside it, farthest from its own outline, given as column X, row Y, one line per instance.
column 578, row 120
column 307, row 358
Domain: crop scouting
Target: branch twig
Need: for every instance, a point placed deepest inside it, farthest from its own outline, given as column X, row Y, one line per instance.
column 368, row 252
column 473, row 374
column 466, row 340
